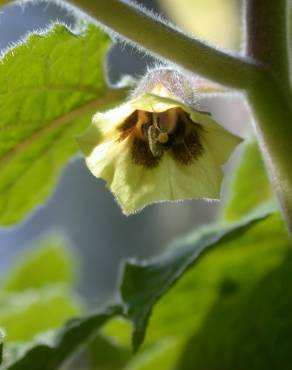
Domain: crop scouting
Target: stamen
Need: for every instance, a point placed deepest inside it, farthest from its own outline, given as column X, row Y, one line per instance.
column 154, row 145
column 163, row 137
column 154, row 133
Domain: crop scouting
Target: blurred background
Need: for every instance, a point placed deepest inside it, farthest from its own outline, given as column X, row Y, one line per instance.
column 81, row 209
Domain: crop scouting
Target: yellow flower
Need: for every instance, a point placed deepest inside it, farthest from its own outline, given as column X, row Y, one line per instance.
column 154, row 148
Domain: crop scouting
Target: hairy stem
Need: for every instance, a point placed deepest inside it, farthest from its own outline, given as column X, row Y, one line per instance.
column 273, row 124
column 143, row 29
column 267, row 26
column 270, row 97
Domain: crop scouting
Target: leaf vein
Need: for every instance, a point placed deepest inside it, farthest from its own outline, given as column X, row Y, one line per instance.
column 57, row 123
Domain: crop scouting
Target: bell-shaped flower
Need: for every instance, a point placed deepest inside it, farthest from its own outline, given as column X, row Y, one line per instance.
column 154, row 148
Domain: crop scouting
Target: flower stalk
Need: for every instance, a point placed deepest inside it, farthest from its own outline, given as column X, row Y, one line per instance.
column 146, row 31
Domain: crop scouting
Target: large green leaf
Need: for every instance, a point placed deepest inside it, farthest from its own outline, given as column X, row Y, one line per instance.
column 250, row 186
column 51, row 350
column 250, row 322
column 50, row 262
column 225, row 312
column 143, row 284
column 50, row 86
column 236, row 310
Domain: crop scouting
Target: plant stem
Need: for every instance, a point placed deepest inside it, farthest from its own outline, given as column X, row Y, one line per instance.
column 273, row 125
column 267, row 27
column 270, row 97
column 149, row 33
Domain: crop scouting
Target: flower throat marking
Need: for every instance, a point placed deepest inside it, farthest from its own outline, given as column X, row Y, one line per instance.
column 153, row 133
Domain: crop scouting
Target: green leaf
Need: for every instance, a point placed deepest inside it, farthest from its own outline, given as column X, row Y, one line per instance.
column 144, row 284
column 251, row 186
column 250, row 322
column 23, row 315
column 50, row 86
column 242, row 335
column 228, row 309
column 50, row 262
column 50, row 351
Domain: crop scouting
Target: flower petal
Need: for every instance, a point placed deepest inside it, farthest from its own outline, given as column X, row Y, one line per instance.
column 220, row 141
column 136, row 185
